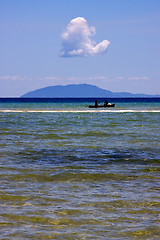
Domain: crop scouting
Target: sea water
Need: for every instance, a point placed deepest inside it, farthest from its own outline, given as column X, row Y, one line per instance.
column 70, row 172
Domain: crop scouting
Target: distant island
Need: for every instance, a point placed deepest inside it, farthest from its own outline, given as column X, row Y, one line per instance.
column 80, row 91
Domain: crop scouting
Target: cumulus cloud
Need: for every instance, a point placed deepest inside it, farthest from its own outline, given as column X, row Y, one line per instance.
column 77, row 41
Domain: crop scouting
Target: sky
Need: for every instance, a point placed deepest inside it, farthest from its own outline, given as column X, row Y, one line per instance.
column 113, row 44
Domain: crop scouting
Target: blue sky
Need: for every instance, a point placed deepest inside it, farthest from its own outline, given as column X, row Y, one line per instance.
column 32, row 41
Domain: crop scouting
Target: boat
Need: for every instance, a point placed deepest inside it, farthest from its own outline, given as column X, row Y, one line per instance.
column 102, row 106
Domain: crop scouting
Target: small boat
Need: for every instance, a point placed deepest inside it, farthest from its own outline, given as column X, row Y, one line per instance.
column 102, row 106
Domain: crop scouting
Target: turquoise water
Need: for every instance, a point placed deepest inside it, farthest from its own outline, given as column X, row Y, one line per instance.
column 69, row 172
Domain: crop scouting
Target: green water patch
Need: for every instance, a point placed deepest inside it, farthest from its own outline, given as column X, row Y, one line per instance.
column 128, row 206
column 50, row 136
column 145, row 233
column 30, row 200
column 71, row 213
column 13, row 198
column 70, row 177
column 61, row 221
column 151, row 170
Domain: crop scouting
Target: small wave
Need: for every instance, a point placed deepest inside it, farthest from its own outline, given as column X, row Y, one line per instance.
column 77, row 111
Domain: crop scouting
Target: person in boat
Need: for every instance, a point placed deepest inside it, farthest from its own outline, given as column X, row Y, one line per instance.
column 96, row 103
column 105, row 103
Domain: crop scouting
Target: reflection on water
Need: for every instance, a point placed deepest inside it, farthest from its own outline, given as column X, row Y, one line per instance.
column 80, row 176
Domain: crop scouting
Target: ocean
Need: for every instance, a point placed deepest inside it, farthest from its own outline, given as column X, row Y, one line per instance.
column 71, row 172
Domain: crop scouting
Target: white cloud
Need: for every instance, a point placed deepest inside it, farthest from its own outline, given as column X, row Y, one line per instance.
column 87, row 78
column 138, row 78
column 14, row 78
column 77, row 42
column 52, row 78
column 119, row 78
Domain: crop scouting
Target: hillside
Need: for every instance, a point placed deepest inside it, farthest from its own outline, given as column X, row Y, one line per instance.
column 78, row 91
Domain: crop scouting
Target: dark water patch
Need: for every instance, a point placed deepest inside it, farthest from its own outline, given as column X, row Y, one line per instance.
column 79, row 100
column 92, row 156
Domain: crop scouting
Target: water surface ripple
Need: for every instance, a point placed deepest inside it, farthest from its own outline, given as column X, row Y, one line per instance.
column 70, row 174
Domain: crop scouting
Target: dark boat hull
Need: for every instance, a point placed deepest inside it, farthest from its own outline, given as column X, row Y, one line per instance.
column 102, row 106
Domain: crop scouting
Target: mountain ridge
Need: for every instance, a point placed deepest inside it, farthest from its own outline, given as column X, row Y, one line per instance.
column 79, row 91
